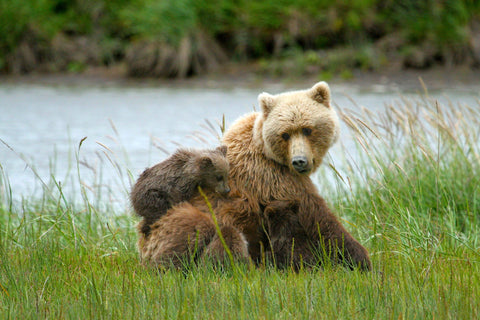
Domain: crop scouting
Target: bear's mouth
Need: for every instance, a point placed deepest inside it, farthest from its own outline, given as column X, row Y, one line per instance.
column 302, row 171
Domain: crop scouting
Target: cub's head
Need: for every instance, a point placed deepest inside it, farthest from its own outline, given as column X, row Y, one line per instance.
column 281, row 217
column 297, row 128
column 213, row 170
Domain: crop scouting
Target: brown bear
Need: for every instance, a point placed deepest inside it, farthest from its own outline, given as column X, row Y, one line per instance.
column 284, row 238
column 185, row 234
column 176, row 179
column 271, row 156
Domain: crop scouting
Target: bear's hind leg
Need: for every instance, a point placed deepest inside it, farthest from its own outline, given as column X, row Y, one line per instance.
column 334, row 241
column 233, row 239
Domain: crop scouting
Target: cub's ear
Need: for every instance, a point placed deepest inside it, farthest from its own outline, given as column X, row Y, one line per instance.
column 320, row 92
column 204, row 162
column 282, row 208
column 267, row 102
column 222, row 149
column 294, row 205
column 270, row 212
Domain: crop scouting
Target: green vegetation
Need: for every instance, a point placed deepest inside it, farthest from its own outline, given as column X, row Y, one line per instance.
column 187, row 37
column 412, row 198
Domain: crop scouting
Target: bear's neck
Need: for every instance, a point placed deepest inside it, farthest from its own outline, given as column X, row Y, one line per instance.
column 251, row 172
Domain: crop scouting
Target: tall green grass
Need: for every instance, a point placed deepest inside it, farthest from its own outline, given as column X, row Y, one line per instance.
column 411, row 197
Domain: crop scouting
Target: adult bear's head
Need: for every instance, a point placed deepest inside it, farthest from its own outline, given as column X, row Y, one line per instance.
column 297, row 128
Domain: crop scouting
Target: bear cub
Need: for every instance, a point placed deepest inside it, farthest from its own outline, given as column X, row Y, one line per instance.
column 284, row 238
column 177, row 179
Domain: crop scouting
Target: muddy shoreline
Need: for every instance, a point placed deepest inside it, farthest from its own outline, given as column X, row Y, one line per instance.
column 245, row 76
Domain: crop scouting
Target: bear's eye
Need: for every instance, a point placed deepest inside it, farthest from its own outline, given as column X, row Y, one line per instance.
column 219, row 178
column 307, row 131
column 285, row 136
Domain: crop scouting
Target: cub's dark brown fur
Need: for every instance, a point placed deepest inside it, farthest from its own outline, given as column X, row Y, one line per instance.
column 288, row 244
column 285, row 240
column 176, row 179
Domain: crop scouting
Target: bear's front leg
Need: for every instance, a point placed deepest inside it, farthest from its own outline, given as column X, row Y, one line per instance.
column 335, row 242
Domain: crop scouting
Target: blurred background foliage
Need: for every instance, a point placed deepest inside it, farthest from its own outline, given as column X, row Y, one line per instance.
column 164, row 38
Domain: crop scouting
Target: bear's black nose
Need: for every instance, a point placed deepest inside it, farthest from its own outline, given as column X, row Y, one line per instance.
column 300, row 163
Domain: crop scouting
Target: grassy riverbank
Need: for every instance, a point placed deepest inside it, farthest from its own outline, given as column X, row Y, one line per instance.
column 413, row 200
column 176, row 39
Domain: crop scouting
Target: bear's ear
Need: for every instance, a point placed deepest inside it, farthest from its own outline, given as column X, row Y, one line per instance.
column 320, row 92
column 266, row 101
column 204, row 162
column 222, row 149
column 294, row 205
column 270, row 212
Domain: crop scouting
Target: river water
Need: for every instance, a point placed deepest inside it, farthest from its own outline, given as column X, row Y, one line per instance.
column 130, row 127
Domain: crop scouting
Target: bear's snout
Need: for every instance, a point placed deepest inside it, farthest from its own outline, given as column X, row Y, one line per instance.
column 223, row 188
column 300, row 152
column 300, row 163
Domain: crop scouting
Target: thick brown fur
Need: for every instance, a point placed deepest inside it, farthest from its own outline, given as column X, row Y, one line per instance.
column 176, row 179
column 262, row 168
column 271, row 155
column 185, row 234
column 286, row 243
